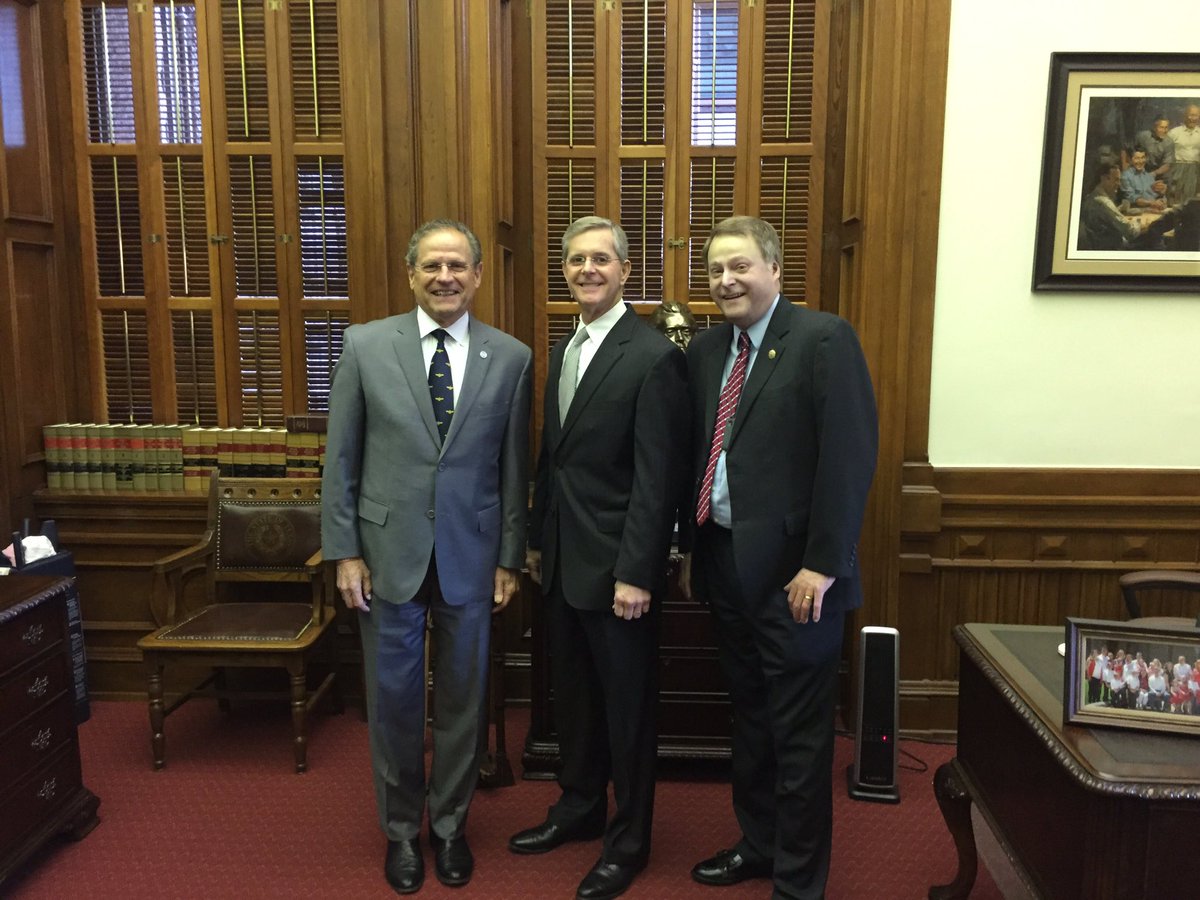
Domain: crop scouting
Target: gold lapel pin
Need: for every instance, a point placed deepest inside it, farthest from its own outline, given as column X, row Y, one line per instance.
column 771, row 353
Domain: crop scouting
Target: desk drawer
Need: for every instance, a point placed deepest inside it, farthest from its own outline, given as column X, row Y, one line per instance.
column 35, row 687
column 30, row 634
column 34, row 741
column 39, row 795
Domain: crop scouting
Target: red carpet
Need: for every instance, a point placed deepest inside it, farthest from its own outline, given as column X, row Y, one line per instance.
column 227, row 818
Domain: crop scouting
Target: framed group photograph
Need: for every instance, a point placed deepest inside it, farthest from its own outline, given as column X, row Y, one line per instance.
column 1119, row 208
column 1130, row 675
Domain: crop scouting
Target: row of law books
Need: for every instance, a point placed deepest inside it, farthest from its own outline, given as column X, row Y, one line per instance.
column 180, row 458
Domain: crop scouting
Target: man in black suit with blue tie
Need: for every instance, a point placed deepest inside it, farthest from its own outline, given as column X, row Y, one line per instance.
column 607, row 489
column 784, row 444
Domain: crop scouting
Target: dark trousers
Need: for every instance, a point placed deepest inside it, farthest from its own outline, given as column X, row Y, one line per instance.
column 605, row 692
column 393, row 641
column 783, row 683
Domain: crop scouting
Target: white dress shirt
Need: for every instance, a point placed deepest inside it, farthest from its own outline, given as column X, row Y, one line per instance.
column 597, row 331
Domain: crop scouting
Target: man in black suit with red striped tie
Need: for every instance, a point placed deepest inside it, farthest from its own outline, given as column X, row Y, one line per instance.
column 784, row 441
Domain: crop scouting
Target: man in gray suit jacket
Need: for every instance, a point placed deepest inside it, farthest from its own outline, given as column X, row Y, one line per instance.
column 424, row 507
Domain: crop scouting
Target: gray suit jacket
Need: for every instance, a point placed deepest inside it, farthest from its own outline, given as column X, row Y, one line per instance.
column 392, row 493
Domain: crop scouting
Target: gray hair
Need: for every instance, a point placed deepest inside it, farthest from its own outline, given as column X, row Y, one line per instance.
column 433, row 225
column 761, row 232
column 587, row 223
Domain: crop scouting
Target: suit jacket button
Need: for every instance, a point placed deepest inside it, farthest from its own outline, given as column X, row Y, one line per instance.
column 429, row 513
column 441, row 467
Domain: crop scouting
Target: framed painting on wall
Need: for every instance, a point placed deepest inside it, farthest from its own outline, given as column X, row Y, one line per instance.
column 1119, row 208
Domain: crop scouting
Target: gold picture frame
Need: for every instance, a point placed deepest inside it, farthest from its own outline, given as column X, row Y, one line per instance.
column 1108, row 695
column 1100, row 107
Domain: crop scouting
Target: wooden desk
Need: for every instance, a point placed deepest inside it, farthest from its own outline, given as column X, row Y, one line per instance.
column 41, row 784
column 1081, row 812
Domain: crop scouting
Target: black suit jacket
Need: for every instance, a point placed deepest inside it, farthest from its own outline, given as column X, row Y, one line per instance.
column 802, row 452
column 607, row 483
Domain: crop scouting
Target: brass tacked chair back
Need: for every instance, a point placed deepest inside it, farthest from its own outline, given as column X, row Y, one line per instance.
column 267, row 599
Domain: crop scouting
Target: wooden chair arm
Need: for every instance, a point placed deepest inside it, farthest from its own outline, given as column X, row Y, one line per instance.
column 186, row 557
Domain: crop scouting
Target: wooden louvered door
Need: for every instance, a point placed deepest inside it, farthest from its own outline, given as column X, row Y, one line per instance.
column 281, row 203
column 214, row 213
column 110, row 114
column 668, row 116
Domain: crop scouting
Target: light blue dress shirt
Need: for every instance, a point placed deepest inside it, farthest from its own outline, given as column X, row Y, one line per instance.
column 721, row 513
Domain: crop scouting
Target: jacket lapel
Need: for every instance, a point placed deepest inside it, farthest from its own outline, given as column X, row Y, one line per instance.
column 407, row 345
column 479, row 360
column 709, row 377
column 765, row 362
column 606, row 357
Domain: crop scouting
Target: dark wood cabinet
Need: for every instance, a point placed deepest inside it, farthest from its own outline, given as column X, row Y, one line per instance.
column 41, row 779
column 694, row 713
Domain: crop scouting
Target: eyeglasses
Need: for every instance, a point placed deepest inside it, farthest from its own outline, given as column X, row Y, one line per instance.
column 599, row 260
column 432, row 268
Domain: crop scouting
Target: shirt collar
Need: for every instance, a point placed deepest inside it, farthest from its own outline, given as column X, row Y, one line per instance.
column 599, row 328
column 458, row 330
column 758, row 330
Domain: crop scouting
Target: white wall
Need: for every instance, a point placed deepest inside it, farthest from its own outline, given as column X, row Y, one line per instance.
column 1045, row 379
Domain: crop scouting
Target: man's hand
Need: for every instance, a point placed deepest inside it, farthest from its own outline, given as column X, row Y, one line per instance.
column 354, row 583
column 806, row 592
column 506, row 582
column 533, row 562
column 685, row 576
column 629, row 602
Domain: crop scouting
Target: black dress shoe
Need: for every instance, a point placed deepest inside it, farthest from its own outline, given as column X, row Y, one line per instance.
column 729, row 867
column 452, row 859
column 404, row 867
column 606, row 880
column 545, row 837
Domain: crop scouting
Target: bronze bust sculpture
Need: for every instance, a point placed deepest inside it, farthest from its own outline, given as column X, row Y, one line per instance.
column 675, row 321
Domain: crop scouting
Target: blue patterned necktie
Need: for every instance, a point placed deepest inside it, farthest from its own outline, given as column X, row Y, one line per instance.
column 441, row 384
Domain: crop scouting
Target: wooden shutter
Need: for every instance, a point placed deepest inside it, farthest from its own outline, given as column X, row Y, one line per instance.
column 107, row 73
column 711, row 192
column 252, row 205
column 570, row 193
column 321, row 196
column 116, row 226
column 570, row 72
column 243, row 38
column 789, row 35
column 315, row 69
column 195, row 367
column 322, row 347
column 177, row 55
column 790, row 138
column 643, row 192
column 186, row 226
column 260, row 359
column 643, row 72
column 785, row 203
column 126, row 351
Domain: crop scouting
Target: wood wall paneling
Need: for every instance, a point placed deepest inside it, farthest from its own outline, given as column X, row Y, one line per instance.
column 40, row 321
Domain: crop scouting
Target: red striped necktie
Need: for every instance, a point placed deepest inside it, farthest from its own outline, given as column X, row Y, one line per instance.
column 726, row 407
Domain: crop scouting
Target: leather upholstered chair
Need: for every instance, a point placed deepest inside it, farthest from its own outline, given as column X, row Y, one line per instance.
column 1170, row 586
column 268, row 601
